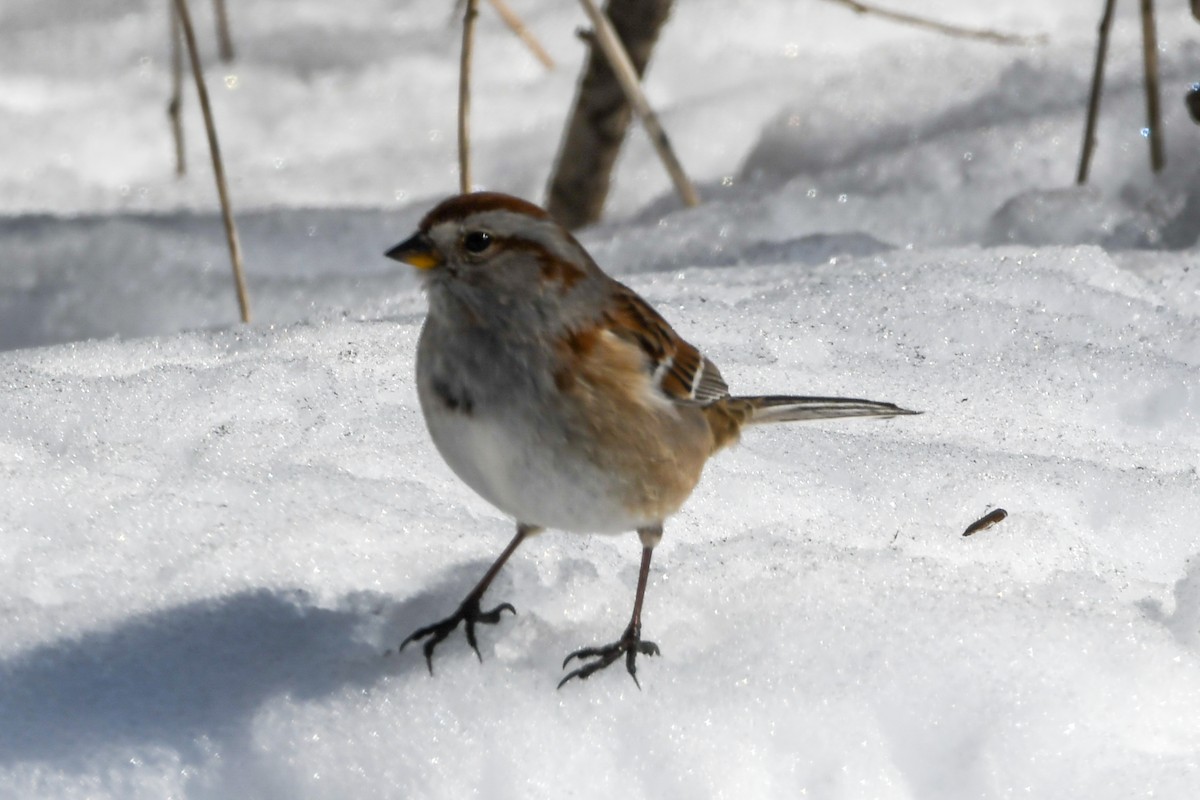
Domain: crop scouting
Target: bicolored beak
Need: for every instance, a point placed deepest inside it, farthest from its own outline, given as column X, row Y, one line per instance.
column 417, row 251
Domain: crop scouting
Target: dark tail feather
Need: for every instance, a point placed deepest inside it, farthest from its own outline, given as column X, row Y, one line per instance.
column 780, row 408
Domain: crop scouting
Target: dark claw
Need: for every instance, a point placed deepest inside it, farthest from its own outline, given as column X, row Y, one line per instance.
column 630, row 644
column 487, row 618
column 467, row 613
column 493, row 616
column 469, row 629
column 428, row 648
column 586, row 652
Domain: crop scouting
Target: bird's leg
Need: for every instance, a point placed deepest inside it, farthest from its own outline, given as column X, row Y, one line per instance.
column 631, row 642
column 468, row 611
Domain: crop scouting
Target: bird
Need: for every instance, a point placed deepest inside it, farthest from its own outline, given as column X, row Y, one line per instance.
column 563, row 398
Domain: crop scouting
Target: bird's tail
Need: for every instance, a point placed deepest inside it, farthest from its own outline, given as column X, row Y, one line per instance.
column 729, row 415
column 782, row 408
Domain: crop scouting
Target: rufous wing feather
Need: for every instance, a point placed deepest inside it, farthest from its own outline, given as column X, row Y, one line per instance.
column 679, row 370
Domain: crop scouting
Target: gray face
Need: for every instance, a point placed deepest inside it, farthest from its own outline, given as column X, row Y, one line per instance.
column 506, row 268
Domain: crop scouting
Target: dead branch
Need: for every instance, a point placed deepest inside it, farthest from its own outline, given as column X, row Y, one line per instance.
column 627, row 77
column 175, row 104
column 224, row 40
column 1093, row 111
column 1153, row 107
column 464, row 97
column 945, row 28
column 523, row 33
column 600, row 115
column 235, row 249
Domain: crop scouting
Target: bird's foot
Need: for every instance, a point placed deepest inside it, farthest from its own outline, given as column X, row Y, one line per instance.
column 469, row 614
column 630, row 644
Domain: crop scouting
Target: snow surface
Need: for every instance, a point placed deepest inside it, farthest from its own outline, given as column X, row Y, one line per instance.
column 211, row 534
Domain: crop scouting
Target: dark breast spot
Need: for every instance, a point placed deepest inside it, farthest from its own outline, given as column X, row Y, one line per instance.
column 454, row 398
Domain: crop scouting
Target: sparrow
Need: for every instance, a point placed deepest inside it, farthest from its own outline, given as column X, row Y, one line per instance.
column 563, row 398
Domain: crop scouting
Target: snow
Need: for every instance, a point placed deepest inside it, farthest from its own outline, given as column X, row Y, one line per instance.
column 213, row 536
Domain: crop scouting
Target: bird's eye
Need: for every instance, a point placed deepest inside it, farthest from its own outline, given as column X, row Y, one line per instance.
column 477, row 241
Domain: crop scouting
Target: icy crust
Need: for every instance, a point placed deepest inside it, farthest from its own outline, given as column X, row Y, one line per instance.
column 212, row 539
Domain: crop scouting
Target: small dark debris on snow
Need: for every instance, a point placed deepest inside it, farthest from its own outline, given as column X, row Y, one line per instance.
column 986, row 521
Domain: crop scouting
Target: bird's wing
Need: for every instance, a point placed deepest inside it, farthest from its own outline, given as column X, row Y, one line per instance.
column 678, row 369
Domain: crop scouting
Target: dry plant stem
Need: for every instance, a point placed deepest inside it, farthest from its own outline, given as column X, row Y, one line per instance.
column 175, row 104
column 940, row 27
column 524, row 34
column 600, row 115
column 224, row 40
column 622, row 67
column 1093, row 110
column 235, row 248
column 464, row 98
column 1153, row 107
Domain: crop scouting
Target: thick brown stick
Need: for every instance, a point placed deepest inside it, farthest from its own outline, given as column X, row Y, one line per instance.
column 1153, row 107
column 940, row 27
column 464, row 98
column 175, row 104
column 622, row 67
column 235, row 248
column 1093, row 111
column 524, row 34
column 224, row 40
column 600, row 117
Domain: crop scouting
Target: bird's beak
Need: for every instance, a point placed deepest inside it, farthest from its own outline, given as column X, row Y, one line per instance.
column 416, row 250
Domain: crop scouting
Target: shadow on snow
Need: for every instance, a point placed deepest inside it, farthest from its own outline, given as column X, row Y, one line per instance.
column 185, row 676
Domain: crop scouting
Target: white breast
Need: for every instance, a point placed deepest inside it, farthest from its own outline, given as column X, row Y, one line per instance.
column 514, row 469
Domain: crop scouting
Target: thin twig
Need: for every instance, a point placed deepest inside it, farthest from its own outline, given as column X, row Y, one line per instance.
column 464, row 97
column 1093, row 111
column 623, row 69
column 523, row 33
column 941, row 27
column 1153, row 108
column 235, row 249
column 175, row 104
column 224, row 40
